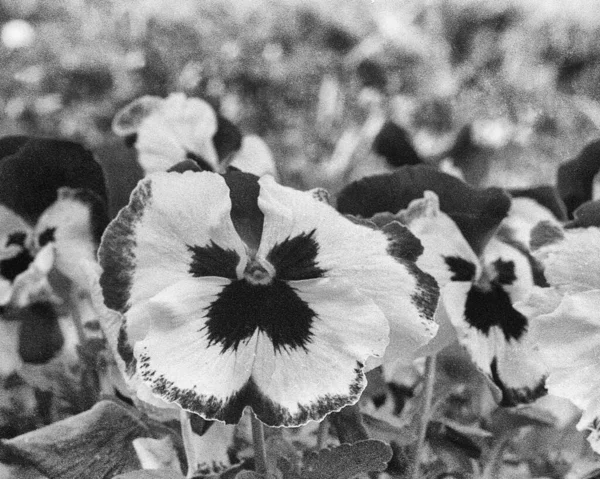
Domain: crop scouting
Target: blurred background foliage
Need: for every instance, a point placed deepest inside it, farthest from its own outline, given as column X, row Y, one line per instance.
column 295, row 72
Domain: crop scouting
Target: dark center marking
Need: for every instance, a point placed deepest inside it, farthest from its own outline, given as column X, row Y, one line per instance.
column 274, row 309
column 46, row 236
column 212, row 260
column 463, row 270
column 12, row 267
column 17, row 238
column 295, row 258
column 505, row 271
column 487, row 308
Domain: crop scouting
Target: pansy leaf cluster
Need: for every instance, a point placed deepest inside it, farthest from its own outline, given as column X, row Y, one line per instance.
column 475, row 246
column 235, row 291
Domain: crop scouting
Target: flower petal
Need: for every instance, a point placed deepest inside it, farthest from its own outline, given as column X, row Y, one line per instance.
column 300, row 385
column 153, row 241
column 476, row 212
column 335, row 247
column 255, row 157
column 572, row 263
column 545, row 196
column 128, row 119
column 177, row 359
column 179, row 126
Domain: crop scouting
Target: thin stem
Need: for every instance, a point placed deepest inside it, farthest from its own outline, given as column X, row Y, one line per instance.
column 427, row 397
column 188, row 444
column 322, row 433
column 260, row 451
column 494, row 463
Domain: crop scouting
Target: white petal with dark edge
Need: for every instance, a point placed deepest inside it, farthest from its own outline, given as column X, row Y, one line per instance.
column 177, row 360
column 147, row 247
column 303, row 384
column 359, row 255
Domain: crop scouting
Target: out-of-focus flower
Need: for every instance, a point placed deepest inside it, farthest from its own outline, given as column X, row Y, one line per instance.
column 235, row 291
column 168, row 131
column 17, row 34
column 472, row 247
column 566, row 317
column 53, row 212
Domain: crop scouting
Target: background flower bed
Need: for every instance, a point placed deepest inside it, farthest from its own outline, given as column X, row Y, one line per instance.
column 274, row 68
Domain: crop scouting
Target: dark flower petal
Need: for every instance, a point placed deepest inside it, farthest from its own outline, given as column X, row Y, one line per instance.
column 31, row 176
column 546, row 196
column 227, row 139
column 477, row 212
column 393, row 143
column 247, row 217
column 575, row 177
column 186, row 165
column 586, row 215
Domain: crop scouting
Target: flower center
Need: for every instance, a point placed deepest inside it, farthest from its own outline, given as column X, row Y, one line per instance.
column 259, row 272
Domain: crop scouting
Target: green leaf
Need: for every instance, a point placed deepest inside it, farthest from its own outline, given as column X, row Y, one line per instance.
column 150, row 474
column 389, row 428
column 96, row 444
column 249, row 475
column 348, row 425
column 347, row 460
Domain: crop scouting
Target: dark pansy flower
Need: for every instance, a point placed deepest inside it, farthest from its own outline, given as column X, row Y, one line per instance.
column 168, row 131
column 53, row 212
column 566, row 318
column 575, row 177
column 235, row 291
column 482, row 269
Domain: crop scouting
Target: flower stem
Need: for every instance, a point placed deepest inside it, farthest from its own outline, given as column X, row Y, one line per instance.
column 260, row 451
column 188, row 445
column 322, row 433
column 427, row 397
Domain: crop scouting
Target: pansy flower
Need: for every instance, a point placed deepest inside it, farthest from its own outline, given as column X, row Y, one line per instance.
column 168, row 131
column 472, row 246
column 235, row 291
column 566, row 324
column 52, row 211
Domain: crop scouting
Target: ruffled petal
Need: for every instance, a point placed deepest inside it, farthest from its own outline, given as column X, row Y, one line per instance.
column 572, row 262
column 177, row 225
column 179, row 126
column 372, row 260
column 176, row 357
column 303, row 384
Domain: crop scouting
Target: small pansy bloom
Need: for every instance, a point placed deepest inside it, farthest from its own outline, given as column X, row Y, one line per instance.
column 235, row 291
column 472, row 246
column 167, row 131
column 52, row 214
column 566, row 315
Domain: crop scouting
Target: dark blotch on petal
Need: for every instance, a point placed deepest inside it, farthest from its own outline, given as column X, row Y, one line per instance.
column 477, row 212
column 545, row 233
column 17, row 239
column 506, row 235
column 275, row 309
column 130, row 140
column 485, row 309
column 46, row 236
column 40, row 337
column 12, row 267
column 212, row 260
column 403, row 244
column 505, row 271
column 463, row 270
column 295, row 258
column 247, row 217
column 514, row 396
column 116, row 251
column 126, row 351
